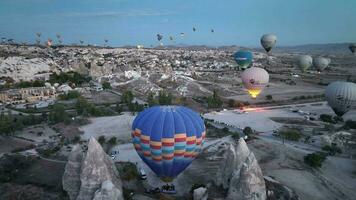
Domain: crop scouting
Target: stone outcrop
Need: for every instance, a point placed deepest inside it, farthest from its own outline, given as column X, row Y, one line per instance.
column 200, row 194
column 108, row 191
column 246, row 179
column 71, row 176
column 92, row 176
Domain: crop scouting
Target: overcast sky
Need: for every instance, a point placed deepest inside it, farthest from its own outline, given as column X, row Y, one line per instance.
column 132, row 22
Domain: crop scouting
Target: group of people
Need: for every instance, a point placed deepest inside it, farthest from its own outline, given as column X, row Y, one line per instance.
column 168, row 187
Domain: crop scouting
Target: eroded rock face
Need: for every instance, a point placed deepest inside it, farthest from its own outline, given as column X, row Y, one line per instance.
column 92, row 176
column 232, row 166
column 200, row 194
column 247, row 180
column 71, row 176
column 108, row 191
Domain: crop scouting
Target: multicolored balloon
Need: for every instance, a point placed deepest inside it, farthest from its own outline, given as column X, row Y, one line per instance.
column 255, row 80
column 341, row 96
column 168, row 139
column 243, row 59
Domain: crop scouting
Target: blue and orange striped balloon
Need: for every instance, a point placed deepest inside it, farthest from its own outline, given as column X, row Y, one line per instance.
column 168, row 139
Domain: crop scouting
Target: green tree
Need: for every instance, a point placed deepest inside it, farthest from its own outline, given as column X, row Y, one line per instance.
column 164, row 98
column 127, row 97
column 58, row 114
column 112, row 140
column 269, row 97
column 314, row 160
column 214, row 101
column 248, row 131
column 106, row 85
column 6, row 124
column 151, row 100
column 101, row 139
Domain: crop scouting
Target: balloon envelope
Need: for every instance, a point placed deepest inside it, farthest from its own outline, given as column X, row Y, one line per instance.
column 268, row 41
column 305, row 62
column 341, row 96
column 168, row 139
column 243, row 59
column 321, row 63
column 255, row 80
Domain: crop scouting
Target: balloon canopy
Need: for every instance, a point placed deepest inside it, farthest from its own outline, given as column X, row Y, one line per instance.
column 341, row 96
column 320, row 63
column 255, row 80
column 243, row 59
column 305, row 62
column 268, row 41
column 168, row 139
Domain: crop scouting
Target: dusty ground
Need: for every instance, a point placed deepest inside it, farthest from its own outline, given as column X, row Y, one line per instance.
column 8, row 144
column 37, row 133
column 118, row 126
column 333, row 181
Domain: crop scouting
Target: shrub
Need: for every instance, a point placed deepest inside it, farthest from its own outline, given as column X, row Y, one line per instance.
column 106, row 85
column 314, row 160
column 269, row 97
column 327, row 118
column 112, row 140
column 76, row 139
column 349, row 124
column 248, row 130
column 331, row 149
column 70, row 95
column 101, row 139
column 290, row 134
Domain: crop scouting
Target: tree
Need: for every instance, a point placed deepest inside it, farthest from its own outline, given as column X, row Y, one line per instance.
column 101, row 139
column 269, row 97
column 58, row 114
column 106, row 85
column 112, row 141
column 314, row 160
column 290, row 134
column 127, row 97
column 214, row 101
column 164, row 98
column 248, row 131
column 6, row 124
column 151, row 100
column 327, row 118
column 231, row 103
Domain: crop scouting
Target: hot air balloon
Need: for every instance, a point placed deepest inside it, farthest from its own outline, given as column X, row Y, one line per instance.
column 305, row 62
column 321, row 63
column 243, row 59
column 352, row 47
column 341, row 96
column 268, row 41
column 159, row 37
column 255, row 79
column 168, row 139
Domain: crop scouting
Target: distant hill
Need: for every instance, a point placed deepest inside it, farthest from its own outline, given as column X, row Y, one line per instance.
column 334, row 48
